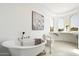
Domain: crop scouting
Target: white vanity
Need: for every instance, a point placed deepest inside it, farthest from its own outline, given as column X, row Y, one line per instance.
column 72, row 32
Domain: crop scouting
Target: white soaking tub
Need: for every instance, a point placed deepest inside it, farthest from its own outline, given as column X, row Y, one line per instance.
column 29, row 49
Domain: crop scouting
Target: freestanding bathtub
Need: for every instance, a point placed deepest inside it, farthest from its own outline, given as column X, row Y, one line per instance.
column 29, row 49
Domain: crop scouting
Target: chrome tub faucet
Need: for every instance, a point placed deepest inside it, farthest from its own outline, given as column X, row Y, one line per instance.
column 22, row 38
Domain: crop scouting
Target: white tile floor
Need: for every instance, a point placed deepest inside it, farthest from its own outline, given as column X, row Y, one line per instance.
column 63, row 49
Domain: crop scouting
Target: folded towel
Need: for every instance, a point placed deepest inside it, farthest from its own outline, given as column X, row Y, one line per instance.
column 38, row 41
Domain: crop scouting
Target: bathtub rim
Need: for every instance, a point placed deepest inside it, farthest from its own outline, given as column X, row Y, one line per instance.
column 21, row 47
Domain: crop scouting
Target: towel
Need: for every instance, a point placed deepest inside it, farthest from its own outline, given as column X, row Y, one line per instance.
column 38, row 41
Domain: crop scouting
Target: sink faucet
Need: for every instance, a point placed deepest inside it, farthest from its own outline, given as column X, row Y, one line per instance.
column 22, row 37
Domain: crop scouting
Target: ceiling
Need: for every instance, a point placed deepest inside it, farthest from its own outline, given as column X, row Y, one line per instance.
column 59, row 8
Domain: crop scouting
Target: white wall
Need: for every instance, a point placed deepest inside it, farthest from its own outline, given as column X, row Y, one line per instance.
column 16, row 18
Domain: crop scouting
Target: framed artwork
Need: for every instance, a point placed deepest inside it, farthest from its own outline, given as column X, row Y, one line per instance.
column 37, row 21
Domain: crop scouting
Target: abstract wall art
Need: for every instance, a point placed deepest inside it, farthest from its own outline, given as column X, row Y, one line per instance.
column 37, row 21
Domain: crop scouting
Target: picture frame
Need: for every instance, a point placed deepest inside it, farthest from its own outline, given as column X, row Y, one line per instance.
column 37, row 21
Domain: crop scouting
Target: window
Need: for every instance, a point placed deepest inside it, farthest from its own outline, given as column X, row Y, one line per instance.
column 60, row 23
column 74, row 21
